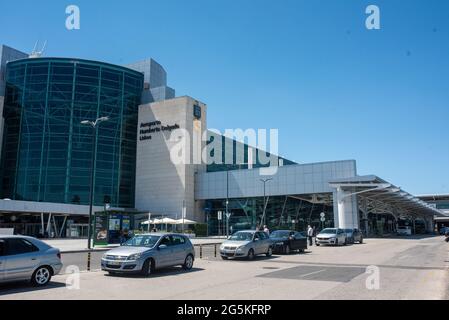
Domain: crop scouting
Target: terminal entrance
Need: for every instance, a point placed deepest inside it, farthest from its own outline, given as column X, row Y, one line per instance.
column 277, row 213
column 45, row 225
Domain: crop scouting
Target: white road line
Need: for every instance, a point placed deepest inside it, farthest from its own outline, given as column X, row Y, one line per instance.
column 312, row 273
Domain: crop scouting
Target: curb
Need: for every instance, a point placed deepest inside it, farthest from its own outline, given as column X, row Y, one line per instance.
column 85, row 251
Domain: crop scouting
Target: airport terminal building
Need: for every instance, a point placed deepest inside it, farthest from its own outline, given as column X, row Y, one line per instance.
column 46, row 161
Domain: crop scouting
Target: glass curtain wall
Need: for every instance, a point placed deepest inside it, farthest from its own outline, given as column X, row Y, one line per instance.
column 282, row 212
column 47, row 152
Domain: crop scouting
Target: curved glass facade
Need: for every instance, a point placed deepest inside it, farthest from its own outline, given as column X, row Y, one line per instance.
column 46, row 155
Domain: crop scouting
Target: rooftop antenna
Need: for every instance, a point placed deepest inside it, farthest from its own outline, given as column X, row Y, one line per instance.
column 37, row 54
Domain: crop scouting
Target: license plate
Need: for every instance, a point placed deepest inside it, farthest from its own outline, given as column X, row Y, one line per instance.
column 115, row 263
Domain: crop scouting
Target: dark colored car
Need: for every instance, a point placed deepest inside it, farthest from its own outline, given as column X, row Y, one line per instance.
column 286, row 241
column 444, row 230
column 353, row 236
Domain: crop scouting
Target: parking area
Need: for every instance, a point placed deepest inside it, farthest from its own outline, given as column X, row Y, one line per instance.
column 403, row 268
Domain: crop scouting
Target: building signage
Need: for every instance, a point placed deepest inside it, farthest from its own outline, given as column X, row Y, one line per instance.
column 147, row 129
column 197, row 112
column 101, row 229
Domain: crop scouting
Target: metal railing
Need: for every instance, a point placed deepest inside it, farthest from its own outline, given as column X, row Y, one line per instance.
column 207, row 250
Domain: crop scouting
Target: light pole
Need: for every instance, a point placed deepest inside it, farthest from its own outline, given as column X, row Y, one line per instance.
column 94, row 125
column 264, row 199
column 227, row 202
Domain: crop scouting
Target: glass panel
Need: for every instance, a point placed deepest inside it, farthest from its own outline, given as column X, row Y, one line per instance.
column 47, row 154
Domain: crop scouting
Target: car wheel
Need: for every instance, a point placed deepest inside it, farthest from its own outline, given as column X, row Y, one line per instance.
column 317, row 244
column 336, row 242
column 188, row 263
column 269, row 252
column 147, row 268
column 250, row 254
column 224, row 258
column 287, row 249
column 346, row 242
column 111, row 273
column 41, row 277
column 361, row 240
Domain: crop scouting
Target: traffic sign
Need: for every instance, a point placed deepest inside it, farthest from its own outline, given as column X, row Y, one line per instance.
column 323, row 219
column 228, row 215
column 322, row 215
column 220, row 215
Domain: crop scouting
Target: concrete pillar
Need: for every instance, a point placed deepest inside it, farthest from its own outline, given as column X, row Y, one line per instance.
column 364, row 209
column 430, row 224
column 347, row 209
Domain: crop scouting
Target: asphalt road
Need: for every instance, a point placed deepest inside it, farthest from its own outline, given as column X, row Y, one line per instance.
column 379, row 269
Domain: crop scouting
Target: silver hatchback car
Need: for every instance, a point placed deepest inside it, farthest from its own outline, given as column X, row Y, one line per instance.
column 147, row 252
column 246, row 244
column 26, row 258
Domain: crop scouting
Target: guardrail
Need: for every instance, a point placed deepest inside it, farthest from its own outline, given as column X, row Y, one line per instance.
column 202, row 249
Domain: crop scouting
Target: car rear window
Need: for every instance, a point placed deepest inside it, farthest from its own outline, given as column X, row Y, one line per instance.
column 19, row 246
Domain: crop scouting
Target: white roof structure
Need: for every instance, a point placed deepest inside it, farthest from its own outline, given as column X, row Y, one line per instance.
column 384, row 194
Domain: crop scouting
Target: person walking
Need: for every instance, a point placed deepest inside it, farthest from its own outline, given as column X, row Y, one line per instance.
column 310, row 235
column 266, row 230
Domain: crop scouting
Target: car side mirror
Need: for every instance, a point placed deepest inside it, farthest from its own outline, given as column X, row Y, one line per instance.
column 162, row 247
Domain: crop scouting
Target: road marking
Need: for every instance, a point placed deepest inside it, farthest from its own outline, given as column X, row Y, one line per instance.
column 312, row 273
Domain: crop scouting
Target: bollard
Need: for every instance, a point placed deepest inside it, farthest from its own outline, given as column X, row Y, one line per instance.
column 201, row 251
column 88, row 261
column 215, row 251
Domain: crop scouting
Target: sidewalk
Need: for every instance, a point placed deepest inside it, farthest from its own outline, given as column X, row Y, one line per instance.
column 80, row 245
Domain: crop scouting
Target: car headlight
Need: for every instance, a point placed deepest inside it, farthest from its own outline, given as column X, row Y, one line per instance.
column 134, row 256
column 222, row 247
column 241, row 248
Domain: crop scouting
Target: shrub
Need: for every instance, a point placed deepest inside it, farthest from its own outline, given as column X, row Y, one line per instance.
column 200, row 230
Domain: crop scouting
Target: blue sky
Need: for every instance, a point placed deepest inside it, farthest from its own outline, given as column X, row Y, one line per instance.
column 310, row 68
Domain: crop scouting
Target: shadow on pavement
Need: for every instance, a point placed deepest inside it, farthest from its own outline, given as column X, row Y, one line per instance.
column 24, row 286
column 413, row 237
column 256, row 259
column 173, row 271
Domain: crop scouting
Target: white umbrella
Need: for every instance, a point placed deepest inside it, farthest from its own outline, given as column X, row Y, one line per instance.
column 185, row 221
column 166, row 221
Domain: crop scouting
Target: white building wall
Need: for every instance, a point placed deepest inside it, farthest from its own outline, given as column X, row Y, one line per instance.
column 288, row 180
column 14, row 206
column 162, row 187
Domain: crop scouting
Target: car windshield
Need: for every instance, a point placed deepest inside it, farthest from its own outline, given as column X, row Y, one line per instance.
column 280, row 234
column 349, row 230
column 329, row 231
column 142, row 241
column 242, row 236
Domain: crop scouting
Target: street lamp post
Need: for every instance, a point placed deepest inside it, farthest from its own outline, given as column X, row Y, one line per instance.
column 227, row 203
column 94, row 125
column 264, row 199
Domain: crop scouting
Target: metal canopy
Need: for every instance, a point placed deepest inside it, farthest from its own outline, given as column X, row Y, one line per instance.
column 386, row 197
